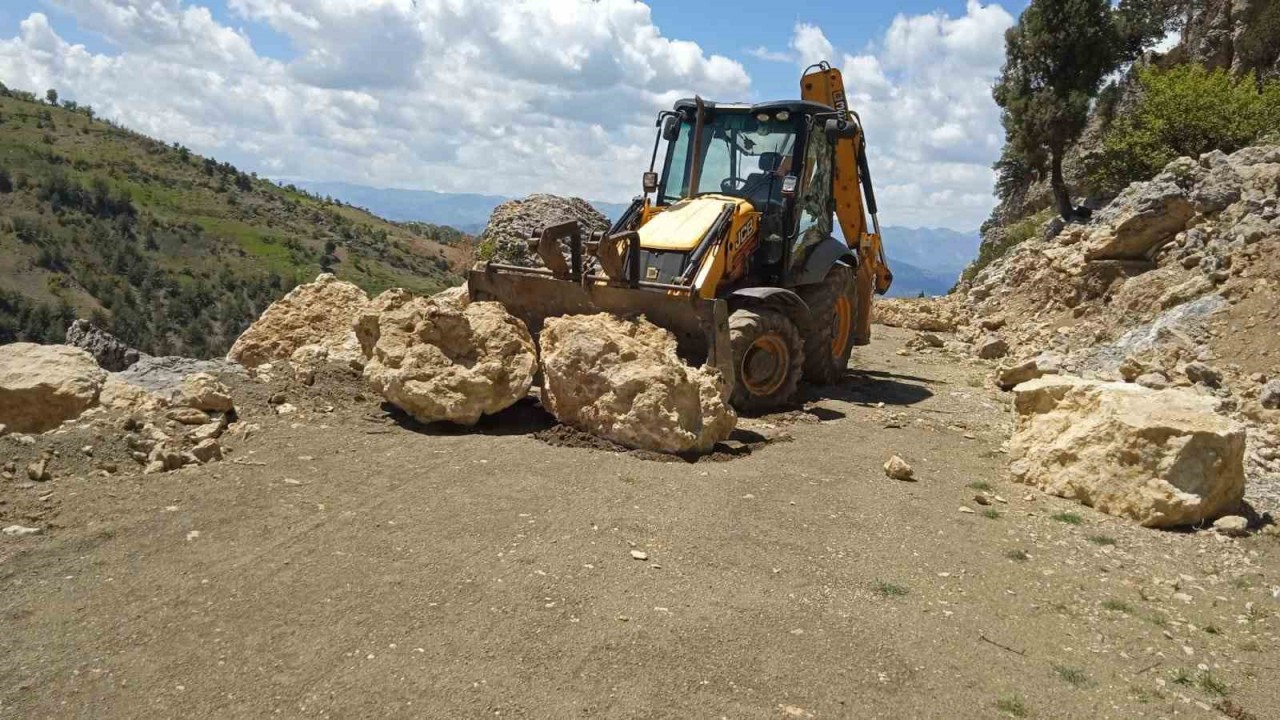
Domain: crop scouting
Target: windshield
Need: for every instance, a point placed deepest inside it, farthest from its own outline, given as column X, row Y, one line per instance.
column 742, row 155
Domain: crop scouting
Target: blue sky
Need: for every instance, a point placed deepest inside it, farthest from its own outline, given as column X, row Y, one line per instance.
column 560, row 93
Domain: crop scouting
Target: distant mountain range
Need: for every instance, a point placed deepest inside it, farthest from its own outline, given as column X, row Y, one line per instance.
column 924, row 260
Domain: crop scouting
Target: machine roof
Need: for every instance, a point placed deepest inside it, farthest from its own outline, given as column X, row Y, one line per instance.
column 795, row 106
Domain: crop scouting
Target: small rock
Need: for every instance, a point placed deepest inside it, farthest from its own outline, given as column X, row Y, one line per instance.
column 188, row 416
column 991, row 347
column 277, row 399
column 38, row 471
column 1231, row 526
column 981, row 499
column 1153, row 380
column 899, row 469
column 1269, row 395
column 995, row 322
column 639, row 555
column 20, row 530
column 153, row 467
column 1198, row 372
column 208, row 431
column 207, row 451
column 965, row 509
column 285, row 409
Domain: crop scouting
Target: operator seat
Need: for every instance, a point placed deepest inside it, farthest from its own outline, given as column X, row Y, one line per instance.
column 765, row 187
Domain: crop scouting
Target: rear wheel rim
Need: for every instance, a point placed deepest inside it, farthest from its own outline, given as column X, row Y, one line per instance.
column 765, row 365
column 843, row 319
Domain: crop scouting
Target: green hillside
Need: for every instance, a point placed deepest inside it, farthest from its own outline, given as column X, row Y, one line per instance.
column 170, row 251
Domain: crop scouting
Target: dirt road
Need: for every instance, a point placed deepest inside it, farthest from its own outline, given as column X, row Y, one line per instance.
column 340, row 567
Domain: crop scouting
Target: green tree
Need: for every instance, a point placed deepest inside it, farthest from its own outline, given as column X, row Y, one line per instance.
column 51, row 95
column 1055, row 59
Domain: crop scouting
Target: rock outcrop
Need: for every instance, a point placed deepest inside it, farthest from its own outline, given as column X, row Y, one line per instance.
column 41, row 386
column 317, row 313
column 622, row 380
column 164, row 376
column 504, row 238
column 109, row 352
column 1161, row 458
column 437, row 361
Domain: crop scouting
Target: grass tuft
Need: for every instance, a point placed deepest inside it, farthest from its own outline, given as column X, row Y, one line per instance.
column 1018, row 555
column 991, row 514
column 1117, row 605
column 888, row 589
column 1102, row 540
column 1212, row 684
column 1074, row 677
column 1012, row 705
column 980, row 485
column 1069, row 518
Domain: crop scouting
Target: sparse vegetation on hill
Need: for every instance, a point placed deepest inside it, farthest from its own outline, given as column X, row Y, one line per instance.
column 171, row 251
column 1184, row 111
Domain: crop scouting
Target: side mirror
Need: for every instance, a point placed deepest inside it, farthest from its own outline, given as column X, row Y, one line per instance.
column 650, row 181
column 670, row 128
column 789, row 184
column 837, row 129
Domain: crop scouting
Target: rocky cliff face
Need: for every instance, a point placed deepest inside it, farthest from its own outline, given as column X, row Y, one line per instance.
column 1236, row 35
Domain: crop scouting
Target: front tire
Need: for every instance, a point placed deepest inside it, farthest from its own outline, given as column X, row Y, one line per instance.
column 768, row 359
column 832, row 305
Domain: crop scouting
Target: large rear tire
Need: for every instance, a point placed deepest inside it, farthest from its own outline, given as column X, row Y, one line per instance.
column 768, row 359
column 830, row 340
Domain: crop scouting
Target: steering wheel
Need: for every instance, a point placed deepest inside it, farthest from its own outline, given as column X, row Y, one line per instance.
column 732, row 184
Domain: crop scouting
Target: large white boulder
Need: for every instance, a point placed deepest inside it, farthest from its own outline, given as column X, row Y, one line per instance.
column 43, row 385
column 621, row 380
column 1160, row 457
column 317, row 313
column 439, row 361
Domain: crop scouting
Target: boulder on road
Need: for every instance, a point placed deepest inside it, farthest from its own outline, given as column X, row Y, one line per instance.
column 438, row 362
column 41, row 386
column 317, row 313
column 504, row 239
column 1160, row 457
column 622, row 380
column 203, row 391
column 927, row 314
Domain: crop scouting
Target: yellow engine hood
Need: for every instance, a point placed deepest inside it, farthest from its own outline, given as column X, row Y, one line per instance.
column 682, row 225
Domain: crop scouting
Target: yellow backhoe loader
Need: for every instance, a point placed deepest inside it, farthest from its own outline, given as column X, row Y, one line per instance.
column 731, row 246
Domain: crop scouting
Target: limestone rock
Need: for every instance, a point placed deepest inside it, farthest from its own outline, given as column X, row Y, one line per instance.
column 120, row 395
column 110, row 353
column 345, row 355
column 207, row 451
column 458, row 296
column 927, row 314
column 1231, row 526
column 504, row 239
column 203, row 391
column 991, row 347
column 1145, row 216
column 899, row 469
column 43, row 385
column 1029, row 369
column 1162, row 458
column 622, row 380
column 319, row 313
column 187, row 416
column 366, row 326
column 438, row 362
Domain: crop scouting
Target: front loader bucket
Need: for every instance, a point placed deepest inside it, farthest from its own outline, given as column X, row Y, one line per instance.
column 701, row 326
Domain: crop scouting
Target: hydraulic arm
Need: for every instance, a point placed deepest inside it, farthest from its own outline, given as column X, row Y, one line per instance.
column 824, row 84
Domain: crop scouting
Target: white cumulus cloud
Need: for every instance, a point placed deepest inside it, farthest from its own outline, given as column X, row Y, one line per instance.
column 497, row 96
column 923, row 91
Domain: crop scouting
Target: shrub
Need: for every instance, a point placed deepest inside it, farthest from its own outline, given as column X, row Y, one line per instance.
column 1186, row 110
